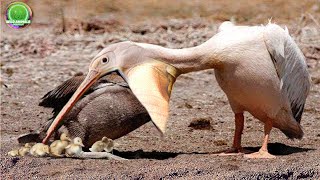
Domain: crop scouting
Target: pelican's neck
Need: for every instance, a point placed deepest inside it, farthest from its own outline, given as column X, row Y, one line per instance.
column 186, row 60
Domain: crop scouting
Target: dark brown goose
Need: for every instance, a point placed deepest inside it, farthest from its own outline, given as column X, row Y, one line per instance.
column 107, row 109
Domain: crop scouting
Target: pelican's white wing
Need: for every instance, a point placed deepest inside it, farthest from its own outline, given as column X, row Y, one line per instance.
column 291, row 67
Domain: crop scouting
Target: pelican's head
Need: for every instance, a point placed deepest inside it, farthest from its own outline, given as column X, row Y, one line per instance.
column 116, row 58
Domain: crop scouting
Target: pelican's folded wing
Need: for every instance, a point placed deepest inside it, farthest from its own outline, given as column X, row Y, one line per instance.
column 291, row 67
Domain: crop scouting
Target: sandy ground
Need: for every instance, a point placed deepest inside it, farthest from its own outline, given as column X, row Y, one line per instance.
column 36, row 61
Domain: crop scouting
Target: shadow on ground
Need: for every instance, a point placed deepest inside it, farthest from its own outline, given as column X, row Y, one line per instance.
column 140, row 154
column 274, row 148
column 281, row 149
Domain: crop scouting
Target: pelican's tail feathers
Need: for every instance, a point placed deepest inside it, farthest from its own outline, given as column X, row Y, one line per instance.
column 293, row 132
column 291, row 68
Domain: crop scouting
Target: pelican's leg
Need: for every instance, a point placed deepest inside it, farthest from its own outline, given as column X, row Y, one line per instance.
column 236, row 147
column 239, row 122
column 263, row 152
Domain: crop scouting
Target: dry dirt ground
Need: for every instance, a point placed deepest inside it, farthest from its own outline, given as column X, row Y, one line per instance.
column 37, row 60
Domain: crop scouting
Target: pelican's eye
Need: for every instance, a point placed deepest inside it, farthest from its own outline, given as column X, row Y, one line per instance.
column 105, row 60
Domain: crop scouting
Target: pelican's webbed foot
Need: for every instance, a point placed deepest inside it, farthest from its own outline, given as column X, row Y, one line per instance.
column 260, row 154
column 234, row 151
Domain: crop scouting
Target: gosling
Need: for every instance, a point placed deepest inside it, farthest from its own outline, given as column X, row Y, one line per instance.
column 105, row 144
column 25, row 149
column 58, row 146
column 14, row 153
column 39, row 150
column 75, row 148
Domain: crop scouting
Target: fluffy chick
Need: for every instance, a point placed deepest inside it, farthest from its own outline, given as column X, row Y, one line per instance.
column 58, row 146
column 39, row 150
column 25, row 149
column 105, row 144
column 14, row 153
column 75, row 148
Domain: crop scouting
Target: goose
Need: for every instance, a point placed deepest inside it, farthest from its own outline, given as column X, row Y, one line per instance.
column 22, row 151
column 96, row 114
column 14, row 153
column 39, row 150
column 74, row 148
column 260, row 68
column 57, row 147
column 105, row 144
column 25, row 149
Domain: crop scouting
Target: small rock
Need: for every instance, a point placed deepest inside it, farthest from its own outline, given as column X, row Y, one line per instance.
column 315, row 80
column 201, row 124
column 187, row 105
column 219, row 143
column 9, row 71
column 7, row 47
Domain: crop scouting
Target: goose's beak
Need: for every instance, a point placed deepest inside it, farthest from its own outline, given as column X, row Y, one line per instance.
column 91, row 78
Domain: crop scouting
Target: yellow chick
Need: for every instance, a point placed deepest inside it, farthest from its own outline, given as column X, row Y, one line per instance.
column 110, row 146
column 75, row 148
column 58, row 146
column 14, row 153
column 25, row 149
column 39, row 150
column 105, row 144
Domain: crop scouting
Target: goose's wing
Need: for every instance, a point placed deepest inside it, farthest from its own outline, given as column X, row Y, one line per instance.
column 60, row 95
column 291, row 67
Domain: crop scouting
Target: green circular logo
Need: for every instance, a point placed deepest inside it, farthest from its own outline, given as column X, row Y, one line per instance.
column 18, row 15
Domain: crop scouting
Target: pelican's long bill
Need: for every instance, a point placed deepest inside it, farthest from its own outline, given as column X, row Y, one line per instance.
column 91, row 78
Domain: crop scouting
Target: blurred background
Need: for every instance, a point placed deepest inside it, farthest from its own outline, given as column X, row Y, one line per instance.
column 71, row 13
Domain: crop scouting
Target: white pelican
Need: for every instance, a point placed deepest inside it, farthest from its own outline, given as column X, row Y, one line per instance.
column 260, row 68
